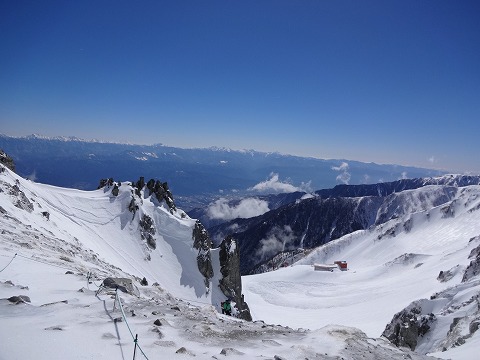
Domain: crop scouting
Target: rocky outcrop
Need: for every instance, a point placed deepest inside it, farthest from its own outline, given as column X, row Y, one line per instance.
column 202, row 242
column 147, row 231
column 123, row 284
column 473, row 269
column 408, row 325
column 7, row 160
column 105, row 182
column 231, row 282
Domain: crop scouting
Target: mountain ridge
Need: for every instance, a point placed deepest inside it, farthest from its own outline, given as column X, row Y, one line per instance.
column 204, row 173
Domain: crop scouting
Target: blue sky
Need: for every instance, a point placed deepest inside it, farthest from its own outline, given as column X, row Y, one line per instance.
column 376, row 81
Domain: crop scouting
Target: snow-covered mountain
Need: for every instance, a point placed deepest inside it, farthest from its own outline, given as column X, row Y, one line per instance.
column 423, row 266
column 57, row 245
column 332, row 213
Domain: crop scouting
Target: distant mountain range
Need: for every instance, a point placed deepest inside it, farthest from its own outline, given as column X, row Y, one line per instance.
column 196, row 176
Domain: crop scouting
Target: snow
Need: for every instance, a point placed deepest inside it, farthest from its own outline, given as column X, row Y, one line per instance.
column 298, row 312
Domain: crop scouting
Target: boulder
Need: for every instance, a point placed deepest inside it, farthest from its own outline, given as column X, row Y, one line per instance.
column 20, row 299
column 123, row 284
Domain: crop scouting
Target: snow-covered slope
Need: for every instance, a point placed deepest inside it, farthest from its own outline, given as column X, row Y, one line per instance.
column 57, row 245
column 390, row 266
column 102, row 223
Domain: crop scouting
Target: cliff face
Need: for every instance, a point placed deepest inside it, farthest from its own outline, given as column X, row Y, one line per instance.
column 202, row 242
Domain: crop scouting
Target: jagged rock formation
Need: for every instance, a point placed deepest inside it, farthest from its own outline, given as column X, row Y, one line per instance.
column 6, row 160
column 473, row 269
column 148, row 230
column 202, row 242
column 408, row 325
column 231, row 282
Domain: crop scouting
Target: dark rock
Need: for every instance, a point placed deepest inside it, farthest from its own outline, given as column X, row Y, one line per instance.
column 148, row 230
column 105, row 182
column 115, row 190
column 7, row 160
column 122, row 284
column 157, row 322
column 445, row 276
column 472, row 270
column 69, row 272
column 182, row 350
column 132, row 206
column 54, row 328
column 231, row 281
column 158, row 331
column 144, row 282
column 407, row 325
column 19, row 299
column 202, row 242
column 231, row 351
column 139, row 185
column 474, row 325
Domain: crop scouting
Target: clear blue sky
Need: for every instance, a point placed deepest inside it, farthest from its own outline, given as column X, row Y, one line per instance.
column 376, row 81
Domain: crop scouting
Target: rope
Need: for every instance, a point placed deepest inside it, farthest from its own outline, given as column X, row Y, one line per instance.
column 90, row 281
column 126, row 322
column 117, row 298
column 9, row 262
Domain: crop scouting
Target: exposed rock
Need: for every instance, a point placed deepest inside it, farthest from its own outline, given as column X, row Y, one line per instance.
column 20, row 299
column 473, row 269
column 57, row 327
column 157, row 322
column 144, row 282
column 123, row 284
column 22, row 200
column 444, row 276
column 132, row 206
column 231, row 351
column 7, row 160
column 231, row 282
column 148, row 230
column 202, row 242
column 407, row 325
column 105, row 182
column 182, row 350
column 139, row 185
column 115, row 190
column 159, row 332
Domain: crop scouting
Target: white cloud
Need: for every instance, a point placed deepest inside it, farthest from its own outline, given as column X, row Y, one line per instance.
column 32, row 176
column 404, row 175
column 276, row 186
column 277, row 240
column 344, row 175
column 432, row 159
column 245, row 209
